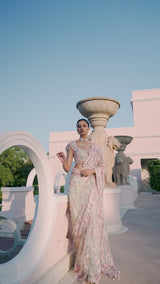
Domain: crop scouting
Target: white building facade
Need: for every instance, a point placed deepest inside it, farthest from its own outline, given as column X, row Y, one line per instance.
column 145, row 132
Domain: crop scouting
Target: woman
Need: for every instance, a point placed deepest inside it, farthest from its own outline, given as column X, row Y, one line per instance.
column 93, row 255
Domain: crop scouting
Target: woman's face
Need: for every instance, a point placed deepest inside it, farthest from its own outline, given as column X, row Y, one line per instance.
column 82, row 128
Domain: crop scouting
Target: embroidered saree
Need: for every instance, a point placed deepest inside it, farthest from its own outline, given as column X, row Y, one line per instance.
column 93, row 255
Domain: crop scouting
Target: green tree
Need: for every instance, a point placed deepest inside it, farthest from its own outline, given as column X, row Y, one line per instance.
column 6, row 177
column 154, row 171
column 15, row 166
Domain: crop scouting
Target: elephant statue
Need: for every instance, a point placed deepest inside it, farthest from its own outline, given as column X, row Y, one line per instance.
column 109, row 158
column 108, row 145
column 121, row 168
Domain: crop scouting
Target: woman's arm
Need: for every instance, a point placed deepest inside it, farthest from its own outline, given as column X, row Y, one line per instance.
column 66, row 161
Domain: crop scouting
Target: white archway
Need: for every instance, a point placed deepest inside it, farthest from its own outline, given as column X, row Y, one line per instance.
column 31, row 177
column 20, row 268
column 57, row 181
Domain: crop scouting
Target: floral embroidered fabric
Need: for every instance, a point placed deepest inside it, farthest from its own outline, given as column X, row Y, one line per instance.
column 93, row 255
column 80, row 155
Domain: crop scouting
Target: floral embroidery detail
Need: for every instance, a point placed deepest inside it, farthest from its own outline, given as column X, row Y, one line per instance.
column 93, row 255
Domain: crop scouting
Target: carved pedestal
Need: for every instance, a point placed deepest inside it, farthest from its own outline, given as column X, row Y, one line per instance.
column 111, row 203
column 127, row 196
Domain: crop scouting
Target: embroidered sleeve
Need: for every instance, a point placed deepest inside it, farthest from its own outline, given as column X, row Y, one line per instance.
column 69, row 147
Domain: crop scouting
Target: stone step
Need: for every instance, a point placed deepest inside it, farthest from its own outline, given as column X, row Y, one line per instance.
column 25, row 233
column 28, row 224
column 68, row 278
column 27, row 227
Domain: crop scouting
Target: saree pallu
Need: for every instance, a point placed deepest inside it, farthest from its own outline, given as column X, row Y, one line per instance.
column 93, row 255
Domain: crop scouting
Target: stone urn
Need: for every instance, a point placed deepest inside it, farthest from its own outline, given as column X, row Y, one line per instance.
column 122, row 163
column 124, row 140
column 98, row 110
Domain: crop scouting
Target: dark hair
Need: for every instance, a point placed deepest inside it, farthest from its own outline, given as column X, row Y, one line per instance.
column 82, row 119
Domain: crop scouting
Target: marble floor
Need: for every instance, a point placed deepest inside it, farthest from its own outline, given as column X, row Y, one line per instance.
column 136, row 252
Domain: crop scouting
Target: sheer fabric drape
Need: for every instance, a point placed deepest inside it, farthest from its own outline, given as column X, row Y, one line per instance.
column 93, row 255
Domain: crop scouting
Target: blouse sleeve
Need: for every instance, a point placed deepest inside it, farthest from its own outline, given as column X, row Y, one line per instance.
column 69, row 147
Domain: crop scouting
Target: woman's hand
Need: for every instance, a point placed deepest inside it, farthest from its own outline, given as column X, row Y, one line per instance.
column 87, row 172
column 66, row 161
column 61, row 156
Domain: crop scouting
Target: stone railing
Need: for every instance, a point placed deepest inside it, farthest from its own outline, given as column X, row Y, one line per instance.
column 57, row 186
column 18, row 204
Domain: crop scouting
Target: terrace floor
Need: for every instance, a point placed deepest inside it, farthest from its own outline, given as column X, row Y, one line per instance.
column 137, row 251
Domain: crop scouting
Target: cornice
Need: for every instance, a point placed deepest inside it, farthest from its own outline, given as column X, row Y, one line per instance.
column 145, row 99
column 155, row 154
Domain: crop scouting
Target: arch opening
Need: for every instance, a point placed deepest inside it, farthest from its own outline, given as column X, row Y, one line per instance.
column 22, row 266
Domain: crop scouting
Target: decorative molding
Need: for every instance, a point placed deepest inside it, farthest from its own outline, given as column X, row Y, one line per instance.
column 145, row 99
column 17, row 189
column 68, row 140
column 146, row 91
column 59, row 141
column 144, row 154
column 146, row 136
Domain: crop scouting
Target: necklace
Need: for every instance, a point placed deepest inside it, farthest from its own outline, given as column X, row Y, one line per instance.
column 83, row 139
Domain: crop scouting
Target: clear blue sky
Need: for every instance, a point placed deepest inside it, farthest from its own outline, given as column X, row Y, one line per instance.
column 55, row 53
